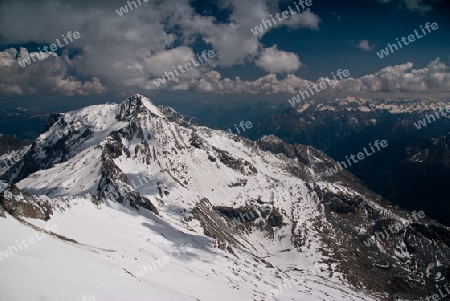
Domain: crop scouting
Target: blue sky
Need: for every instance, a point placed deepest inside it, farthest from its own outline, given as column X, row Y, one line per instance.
column 117, row 56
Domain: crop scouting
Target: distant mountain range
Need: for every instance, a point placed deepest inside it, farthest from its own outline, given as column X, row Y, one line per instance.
column 10, row 143
column 23, row 123
column 411, row 172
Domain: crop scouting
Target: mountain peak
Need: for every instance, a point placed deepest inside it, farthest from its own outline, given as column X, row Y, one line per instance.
column 195, row 184
column 135, row 104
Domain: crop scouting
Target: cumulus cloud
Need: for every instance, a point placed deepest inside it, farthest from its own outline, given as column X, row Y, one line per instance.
column 50, row 74
column 276, row 61
column 364, row 45
column 126, row 52
column 306, row 19
column 389, row 81
column 53, row 75
column 163, row 61
column 402, row 79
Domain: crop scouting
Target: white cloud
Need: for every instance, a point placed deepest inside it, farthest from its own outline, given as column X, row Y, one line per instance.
column 50, row 75
column 364, row 45
column 127, row 52
column 53, row 75
column 402, row 79
column 163, row 61
column 276, row 61
column 305, row 19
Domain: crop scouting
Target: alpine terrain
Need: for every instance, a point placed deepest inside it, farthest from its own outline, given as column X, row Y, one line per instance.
column 411, row 172
column 131, row 201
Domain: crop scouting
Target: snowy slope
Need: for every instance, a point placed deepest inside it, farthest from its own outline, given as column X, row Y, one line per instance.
column 127, row 185
column 114, row 242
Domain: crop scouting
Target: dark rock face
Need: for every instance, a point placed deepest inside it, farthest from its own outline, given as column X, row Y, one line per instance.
column 114, row 147
column 57, row 149
column 400, row 258
column 241, row 215
column 340, row 203
column 112, row 181
column 215, row 226
column 238, row 183
column 18, row 205
column 130, row 107
column 275, row 219
column 433, row 232
column 196, row 141
column 52, row 119
column 276, row 146
column 267, row 215
column 239, row 165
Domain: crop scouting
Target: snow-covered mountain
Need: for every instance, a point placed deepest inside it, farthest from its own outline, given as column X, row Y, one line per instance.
column 127, row 185
column 363, row 104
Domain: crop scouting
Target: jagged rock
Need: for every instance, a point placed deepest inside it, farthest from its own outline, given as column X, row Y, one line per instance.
column 196, row 141
column 18, row 205
column 275, row 145
column 240, row 165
